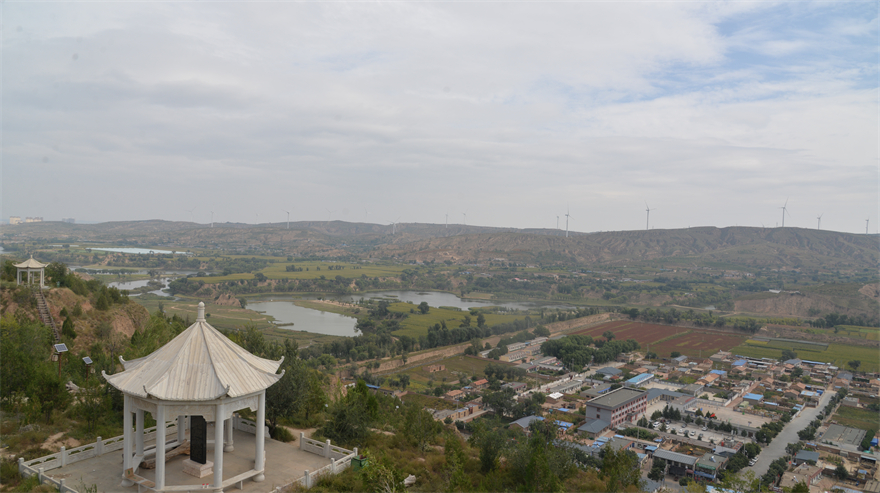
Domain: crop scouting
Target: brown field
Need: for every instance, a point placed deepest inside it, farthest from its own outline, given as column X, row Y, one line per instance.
column 664, row 339
column 643, row 333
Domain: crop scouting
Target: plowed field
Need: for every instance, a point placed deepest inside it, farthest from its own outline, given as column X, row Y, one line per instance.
column 664, row 339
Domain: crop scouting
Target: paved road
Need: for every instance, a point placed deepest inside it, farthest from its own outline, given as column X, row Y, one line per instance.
column 776, row 449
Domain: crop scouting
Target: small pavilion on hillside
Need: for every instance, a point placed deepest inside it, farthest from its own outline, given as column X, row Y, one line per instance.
column 31, row 267
column 202, row 375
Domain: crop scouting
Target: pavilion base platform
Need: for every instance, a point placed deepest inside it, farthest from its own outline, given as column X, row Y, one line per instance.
column 198, row 470
column 285, row 463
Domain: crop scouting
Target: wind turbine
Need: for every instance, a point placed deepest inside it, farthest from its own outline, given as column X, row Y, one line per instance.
column 394, row 225
column 212, row 219
column 819, row 217
column 784, row 212
column 866, row 225
column 465, row 217
column 447, row 220
column 330, row 214
column 557, row 223
column 288, row 218
column 648, row 217
column 567, row 215
column 193, row 216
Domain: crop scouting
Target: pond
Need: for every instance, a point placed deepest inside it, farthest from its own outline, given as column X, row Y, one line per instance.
column 132, row 250
column 306, row 319
column 129, row 285
column 437, row 299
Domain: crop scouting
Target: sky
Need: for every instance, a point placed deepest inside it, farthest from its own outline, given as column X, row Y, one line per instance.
column 506, row 114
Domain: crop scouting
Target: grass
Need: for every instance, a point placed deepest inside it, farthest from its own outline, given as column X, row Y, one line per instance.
column 836, row 354
column 221, row 317
column 864, row 419
column 458, row 367
column 416, row 324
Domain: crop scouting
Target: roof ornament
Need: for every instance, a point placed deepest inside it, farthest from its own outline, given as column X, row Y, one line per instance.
column 201, row 313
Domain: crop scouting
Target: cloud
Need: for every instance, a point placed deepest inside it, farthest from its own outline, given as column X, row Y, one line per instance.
column 511, row 111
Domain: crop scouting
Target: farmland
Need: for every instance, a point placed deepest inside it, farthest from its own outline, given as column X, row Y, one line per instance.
column 458, row 367
column 664, row 339
column 836, row 354
column 416, row 324
column 864, row 419
column 698, row 343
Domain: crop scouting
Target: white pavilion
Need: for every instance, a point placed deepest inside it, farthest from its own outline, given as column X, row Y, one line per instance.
column 199, row 374
column 31, row 267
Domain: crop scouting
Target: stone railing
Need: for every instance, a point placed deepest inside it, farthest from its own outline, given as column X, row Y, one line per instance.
column 64, row 457
column 340, row 460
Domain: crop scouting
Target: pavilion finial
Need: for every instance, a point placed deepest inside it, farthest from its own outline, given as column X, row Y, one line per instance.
column 201, row 313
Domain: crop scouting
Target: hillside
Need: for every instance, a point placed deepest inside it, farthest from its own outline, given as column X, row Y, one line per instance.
column 725, row 248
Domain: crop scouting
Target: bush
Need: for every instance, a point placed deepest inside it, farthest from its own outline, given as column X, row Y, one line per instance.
column 281, row 434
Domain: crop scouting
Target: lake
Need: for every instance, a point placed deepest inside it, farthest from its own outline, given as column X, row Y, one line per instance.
column 129, row 285
column 285, row 311
column 131, row 250
column 306, row 319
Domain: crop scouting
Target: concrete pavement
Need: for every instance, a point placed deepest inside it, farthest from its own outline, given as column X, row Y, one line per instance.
column 776, row 449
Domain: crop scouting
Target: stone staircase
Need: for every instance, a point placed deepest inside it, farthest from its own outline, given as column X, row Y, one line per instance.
column 45, row 314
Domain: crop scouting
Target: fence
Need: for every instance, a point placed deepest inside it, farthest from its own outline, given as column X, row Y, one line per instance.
column 64, row 457
column 340, row 458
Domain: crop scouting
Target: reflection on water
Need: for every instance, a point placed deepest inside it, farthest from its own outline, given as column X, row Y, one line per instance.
column 305, row 318
column 435, row 298
column 130, row 285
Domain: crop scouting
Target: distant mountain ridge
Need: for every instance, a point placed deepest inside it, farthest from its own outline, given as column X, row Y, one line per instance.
column 735, row 246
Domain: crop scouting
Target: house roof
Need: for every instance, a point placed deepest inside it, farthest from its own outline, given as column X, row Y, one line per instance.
column 675, row 457
column 594, row 426
column 525, row 422
column 807, row 455
column 609, row 371
column 200, row 364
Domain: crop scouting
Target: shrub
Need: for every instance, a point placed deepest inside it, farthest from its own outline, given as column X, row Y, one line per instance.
column 281, row 434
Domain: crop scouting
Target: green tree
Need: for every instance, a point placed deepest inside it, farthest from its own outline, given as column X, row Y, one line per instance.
column 490, row 442
column 67, row 328
column 855, row 364
column 801, row 487
column 788, row 354
column 349, row 418
column 424, row 308
column 608, row 335
column 91, row 402
column 675, row 354
column 102, row 303
column 49, row 388
column 841, row 472
column 620, row 468
column 286, row 397
column 541, row 331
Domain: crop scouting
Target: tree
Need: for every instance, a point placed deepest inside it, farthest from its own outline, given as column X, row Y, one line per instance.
column 608, row 335
column 350, row 417
column 541, row 331
column 91, row 404
column 286, row 396
column 801, row 487
column 50, row 390
column 424, row 308
column 481, row 320
column 656, row 415
column 490, row 442
column 102, row 303
column 620, row 469
column 788, row 354
column 855, row 364
column 67, row 328
column 841, row 472
column 675, row 354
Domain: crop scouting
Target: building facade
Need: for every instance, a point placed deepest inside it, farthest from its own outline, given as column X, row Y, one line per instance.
column 618, row 406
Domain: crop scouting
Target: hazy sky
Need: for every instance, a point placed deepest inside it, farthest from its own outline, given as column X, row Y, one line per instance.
column 714, row 113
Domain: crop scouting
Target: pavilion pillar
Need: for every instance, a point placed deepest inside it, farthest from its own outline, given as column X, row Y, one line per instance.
column 229, row 445
column 139, row 433
column 42, row 278
column 260, row 458
column 160, row 447
column 181, row 429
column 218, row 448
column 126, row 439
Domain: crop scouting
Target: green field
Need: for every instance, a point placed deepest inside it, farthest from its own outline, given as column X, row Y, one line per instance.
column 417, row 324
column 864, row 419
column 869, row 333
column 458, row 367
column 836, row 354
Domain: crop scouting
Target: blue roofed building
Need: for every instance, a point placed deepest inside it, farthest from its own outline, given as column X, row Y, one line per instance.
column 640, row 380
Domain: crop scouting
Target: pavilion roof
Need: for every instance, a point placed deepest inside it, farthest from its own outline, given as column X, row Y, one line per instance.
column 30, row 264
column 200, row 364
